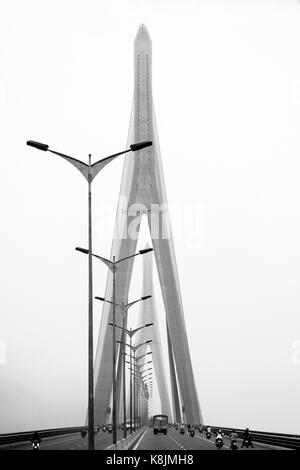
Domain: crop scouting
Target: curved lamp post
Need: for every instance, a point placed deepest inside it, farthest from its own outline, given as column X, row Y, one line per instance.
column 113, row 267
column 90, row 171
column 124, row 308
column 134, row 349
column 130, row 333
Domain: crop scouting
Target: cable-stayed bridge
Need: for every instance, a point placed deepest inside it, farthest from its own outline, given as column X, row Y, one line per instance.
column 143, row 194
column 142, row 373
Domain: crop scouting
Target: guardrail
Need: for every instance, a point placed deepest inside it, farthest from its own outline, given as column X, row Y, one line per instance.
column 26, row 436
column 288, row 441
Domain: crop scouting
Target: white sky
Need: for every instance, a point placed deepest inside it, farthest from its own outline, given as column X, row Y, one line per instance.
column 226, row 87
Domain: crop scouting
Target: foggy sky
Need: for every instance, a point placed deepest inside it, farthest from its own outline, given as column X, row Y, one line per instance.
column 226, row 89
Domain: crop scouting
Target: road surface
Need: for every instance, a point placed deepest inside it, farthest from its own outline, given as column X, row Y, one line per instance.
column 67, row 442
column 147, row 441
column 181, row 442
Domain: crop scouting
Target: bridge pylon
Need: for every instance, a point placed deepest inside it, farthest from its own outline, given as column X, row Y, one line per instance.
column 143, row 194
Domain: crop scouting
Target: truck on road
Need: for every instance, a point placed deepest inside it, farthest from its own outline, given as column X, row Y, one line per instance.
column 160, row 424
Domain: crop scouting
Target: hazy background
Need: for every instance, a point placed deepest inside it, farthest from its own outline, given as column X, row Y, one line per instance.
column 226, row 87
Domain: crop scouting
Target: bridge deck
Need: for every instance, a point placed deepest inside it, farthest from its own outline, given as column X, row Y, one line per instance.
column 148, row 441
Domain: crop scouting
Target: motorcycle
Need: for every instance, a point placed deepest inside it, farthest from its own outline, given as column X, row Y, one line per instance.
column 35, row 445
column 109, row 428
column 247, row 442
column 192, row 433
column 233, row 445
column 208, row 435
column 219, row 442
column 103, row 428
column 83, row 432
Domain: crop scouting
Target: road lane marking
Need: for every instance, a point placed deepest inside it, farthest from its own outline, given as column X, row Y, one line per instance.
column 139, row 441
column 183, row 448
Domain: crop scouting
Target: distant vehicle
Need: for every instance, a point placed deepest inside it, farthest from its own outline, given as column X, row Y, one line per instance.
column 219, row 442
column 247, row 442
column 36, row 440
column 233, row 445
column 233, row 436
column 247, row 439
column 219, row 439
column 160, row 424
column 127, row 424
column 109, row 428
column 182, row 429
column 83, row 432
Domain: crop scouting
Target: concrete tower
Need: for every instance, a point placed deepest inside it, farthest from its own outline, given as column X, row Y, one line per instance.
column 143, row 193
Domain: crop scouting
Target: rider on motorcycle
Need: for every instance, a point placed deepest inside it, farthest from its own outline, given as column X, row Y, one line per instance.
column 233, row 438
column 219, row 439
column 247, row 437
column 36, row 438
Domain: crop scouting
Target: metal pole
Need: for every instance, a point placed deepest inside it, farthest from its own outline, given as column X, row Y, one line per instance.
column 124, row 385
column 137, row 404
column 138, row 391
column 91, row 445
column 130, row 382
column 114, row 355
column 134, row 393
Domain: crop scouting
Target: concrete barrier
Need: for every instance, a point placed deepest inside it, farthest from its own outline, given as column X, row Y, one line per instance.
column 124, row 444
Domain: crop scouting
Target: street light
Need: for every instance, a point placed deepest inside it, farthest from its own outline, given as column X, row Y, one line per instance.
column 143, row 395
column 129, row 362
column 90, row 171
column 139, row 357
column 148, row 375
column 145, row 379
column 149, row 368
column 124, row 309
column 113, row 267
column 143, row 355
column 134, row 349
column 130, row 333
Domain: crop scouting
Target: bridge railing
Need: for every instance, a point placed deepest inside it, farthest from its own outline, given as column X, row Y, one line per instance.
column 288, row 441
column 26, row 436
